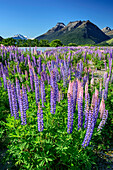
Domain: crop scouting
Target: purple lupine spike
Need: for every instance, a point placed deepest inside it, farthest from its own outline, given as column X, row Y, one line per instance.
column 86, row 114
column 44, row 67
column 22, row 108
column 9, row 96
column 43, row 93
column 106, row 88
column 17, row 88
column 52, row 100
column 80, row 107
column 64, row 77
column 103, row 121
column 26, row 98
column 57, row 92
column 54, row 91
column 14, row 101
column 70, row 114
column 40, row 118
column 37, row 97
column 89, row 130
column 24, row 104
column 5, row 82
column 31, row 79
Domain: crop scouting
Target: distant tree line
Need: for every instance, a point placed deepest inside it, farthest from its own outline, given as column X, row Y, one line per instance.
column 33, row 43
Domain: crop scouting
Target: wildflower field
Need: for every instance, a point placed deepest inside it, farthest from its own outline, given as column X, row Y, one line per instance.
column 56, row 110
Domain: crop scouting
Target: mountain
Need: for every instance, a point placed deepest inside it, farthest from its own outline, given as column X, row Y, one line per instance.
column 107, row 43
column 110, row 34
column 19, row 36
column 1, row 38
column 79, row 32
column 106, row 30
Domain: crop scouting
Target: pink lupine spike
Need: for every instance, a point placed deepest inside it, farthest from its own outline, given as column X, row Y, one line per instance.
column 102, row 108
column 70, row 88
column 86, row 87
column 96, row 93
column 26, row 75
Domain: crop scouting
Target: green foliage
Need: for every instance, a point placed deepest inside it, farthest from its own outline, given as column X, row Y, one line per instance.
column 56, row 43
column 72, row 44
column 44, row 43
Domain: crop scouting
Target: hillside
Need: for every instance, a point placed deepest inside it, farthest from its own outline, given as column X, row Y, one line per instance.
column 1, row 38
column 79, row 32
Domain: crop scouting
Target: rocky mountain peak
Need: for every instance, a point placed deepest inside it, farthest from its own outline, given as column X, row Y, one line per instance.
column 106, row 29
column 19, row 36
column 58, row 27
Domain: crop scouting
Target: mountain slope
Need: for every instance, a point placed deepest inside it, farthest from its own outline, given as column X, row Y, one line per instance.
column 1, row 38
column 79, row 32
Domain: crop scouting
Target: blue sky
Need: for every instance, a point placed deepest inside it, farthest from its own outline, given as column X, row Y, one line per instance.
column 35, row 17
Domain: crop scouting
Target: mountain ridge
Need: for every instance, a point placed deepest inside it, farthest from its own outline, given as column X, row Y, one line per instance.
column 79, row 32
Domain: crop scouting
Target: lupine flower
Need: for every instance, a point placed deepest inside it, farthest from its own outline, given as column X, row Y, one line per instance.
column 53, row 101
column 80, row 108
column 40, row 118
column 70, row 114
column 70, row 108
column 43, row 93
column 24, row 103
column 106, row 88
column 53, row 92
column 14, row 101
column 31, row 80
column 86, row 113
column 9, row 96
column 103, row 121
column 5, row 82
column 22, row 108
column 17, row 88
column 89, row 131
column 37, row 97
column 102, row 108
column 25, row 97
